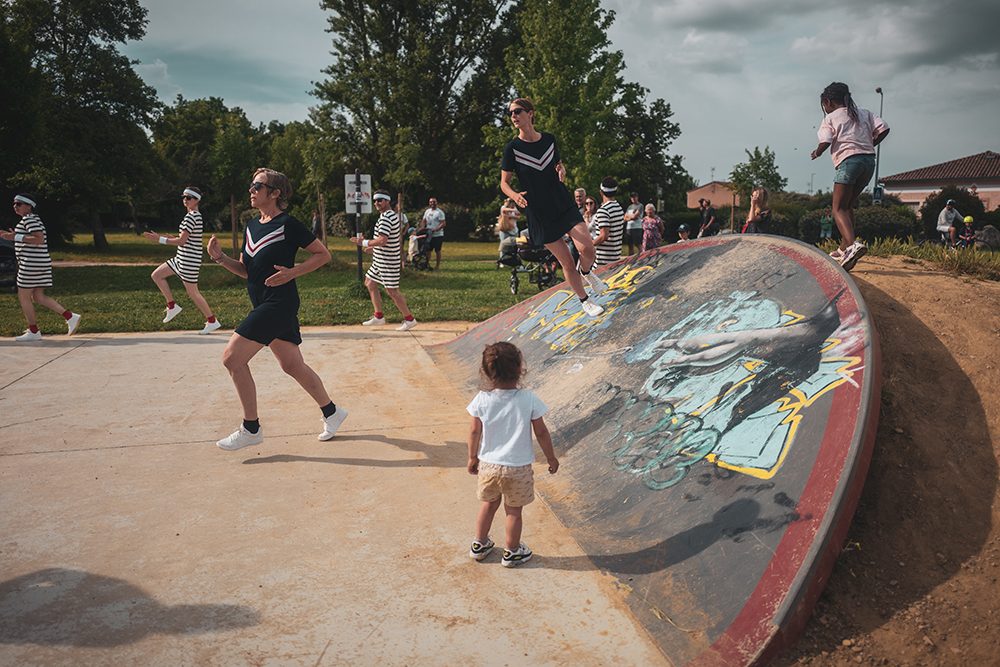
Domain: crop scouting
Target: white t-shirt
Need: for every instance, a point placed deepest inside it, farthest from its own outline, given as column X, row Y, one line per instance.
column 433, row 217
column 506, row 415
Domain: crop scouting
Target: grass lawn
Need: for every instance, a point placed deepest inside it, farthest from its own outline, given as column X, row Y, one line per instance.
column 123, row 298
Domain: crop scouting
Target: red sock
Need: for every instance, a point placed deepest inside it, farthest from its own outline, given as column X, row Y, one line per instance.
column 409, row 318
column 33, row 328
column 67, row 314
column 211, row 319
column 171, row 304
column 378, row 315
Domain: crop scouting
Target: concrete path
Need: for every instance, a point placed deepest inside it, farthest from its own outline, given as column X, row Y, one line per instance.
column 127, row 537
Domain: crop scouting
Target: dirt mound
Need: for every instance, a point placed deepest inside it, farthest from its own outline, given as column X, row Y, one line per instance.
column 917, row 582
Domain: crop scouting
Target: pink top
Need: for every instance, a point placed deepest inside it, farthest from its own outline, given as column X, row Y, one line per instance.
column 847, row 137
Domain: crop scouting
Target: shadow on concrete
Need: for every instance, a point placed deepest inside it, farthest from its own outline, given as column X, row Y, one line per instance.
column 446, row 455
column 64, row 607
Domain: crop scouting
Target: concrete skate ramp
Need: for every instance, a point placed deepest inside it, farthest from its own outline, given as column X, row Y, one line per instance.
column 715, row 427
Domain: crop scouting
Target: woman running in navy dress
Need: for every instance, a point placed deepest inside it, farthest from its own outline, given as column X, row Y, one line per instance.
column 551, row 210
column 267, row 261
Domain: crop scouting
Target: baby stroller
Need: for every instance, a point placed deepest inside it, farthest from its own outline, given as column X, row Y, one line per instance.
column 420, row 259
column 522, row 257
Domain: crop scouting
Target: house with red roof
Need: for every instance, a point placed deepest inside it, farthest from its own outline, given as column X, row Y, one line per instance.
column 979, row 174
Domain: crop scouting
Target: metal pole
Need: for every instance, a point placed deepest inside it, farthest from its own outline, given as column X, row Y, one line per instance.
column 357, row 214
column 878, row 149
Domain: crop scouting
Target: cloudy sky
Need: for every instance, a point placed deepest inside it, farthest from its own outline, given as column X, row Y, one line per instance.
column 737, row 73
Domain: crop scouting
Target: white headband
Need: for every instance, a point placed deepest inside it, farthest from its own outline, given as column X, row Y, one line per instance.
column 191, row 193
column 25, row 200
column 609, row 191
column 379, row 195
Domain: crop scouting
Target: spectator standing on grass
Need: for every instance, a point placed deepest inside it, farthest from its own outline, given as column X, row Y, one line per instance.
column 434, row 222
column 186, row 263
column 267, row 263
column 634, row 233
column 34, row 269
column 386, row 248
column 504, row 415
column 610, row 223
column 652, row 229
column 709, row 224
column 949, row 220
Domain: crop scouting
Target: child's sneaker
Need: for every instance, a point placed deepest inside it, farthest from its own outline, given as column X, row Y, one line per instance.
column 374, row 321
column 28, row 336
column 480, row 550
column 514, row 558
column 837, row 255
column 406, row 325
column 591, row 308
column 210, row 327
column 852, row 254
column 596, row 284
column 72, row 323
column 172, row 313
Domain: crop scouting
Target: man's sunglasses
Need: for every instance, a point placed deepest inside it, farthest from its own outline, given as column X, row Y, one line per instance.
column 257, row 185
column 517, row 111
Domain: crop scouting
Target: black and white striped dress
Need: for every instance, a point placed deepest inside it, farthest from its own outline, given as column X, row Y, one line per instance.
column 610, row 215
column 187, row 262
column 34, row 265
column 386, row 258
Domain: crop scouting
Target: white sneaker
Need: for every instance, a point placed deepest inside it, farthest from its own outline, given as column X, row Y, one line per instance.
column 591, row 308
column 211, row 326
column 837, row 255
column 596, row 283
column 406, row 325
column 240, row 439
column 72, row 323
column 854, row 252
column 28, row 336
column 172, row 313
column 374, row 321
column 514, row 558
column 331, row 424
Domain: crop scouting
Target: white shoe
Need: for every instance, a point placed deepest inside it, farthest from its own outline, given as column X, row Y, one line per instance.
column 374, row 321
column 591, row 308
column 596, row 284
column 72, row 323
column 172, row 313
column 331, row 424
column 406, row 325
column 854, row 252
column 29, row 336
column 240, row 439
column 211, row 326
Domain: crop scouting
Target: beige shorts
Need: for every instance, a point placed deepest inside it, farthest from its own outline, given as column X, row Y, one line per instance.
column 515, row 483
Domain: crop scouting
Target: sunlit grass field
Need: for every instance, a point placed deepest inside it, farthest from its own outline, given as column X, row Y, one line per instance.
column 123, row 298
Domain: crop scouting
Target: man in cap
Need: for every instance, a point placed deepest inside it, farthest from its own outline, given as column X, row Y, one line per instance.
column 948, row 221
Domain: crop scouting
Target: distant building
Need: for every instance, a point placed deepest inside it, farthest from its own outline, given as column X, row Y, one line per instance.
column 979, row 174
column 717, row 192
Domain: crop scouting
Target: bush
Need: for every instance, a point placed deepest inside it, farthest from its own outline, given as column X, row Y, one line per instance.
column 870, row 223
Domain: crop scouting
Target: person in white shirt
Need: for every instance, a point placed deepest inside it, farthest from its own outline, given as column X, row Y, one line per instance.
column 434, row 222
column 948, row 221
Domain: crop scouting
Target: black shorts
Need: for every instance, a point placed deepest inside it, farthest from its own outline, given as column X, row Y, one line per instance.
column 634, row 236
column 553, row 230
column 435, row 243
column 272, row 321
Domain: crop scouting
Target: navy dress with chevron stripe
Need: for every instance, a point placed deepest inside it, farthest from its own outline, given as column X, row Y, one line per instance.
column 551, row 211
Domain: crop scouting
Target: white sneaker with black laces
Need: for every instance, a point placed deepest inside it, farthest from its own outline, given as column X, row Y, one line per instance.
column 480, row 550
column 72, row 323
column 514, row 558
column 29, row 336
column 331, row 424
column 597, row 285
column 852, row 254
column 240, row 439
column 374, row 322
column 172, row 313
column 406, row 325
column 591, row 308
column 210, row 327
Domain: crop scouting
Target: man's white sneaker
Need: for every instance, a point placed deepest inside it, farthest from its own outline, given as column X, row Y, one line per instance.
column 331, row 424
column 240, row 439
column 211, row 326
column 406, row 325
column 597, row 285
column 72, row 323
column 591, row 308
column 172, row 313
column 28, row 336
column 374, row 321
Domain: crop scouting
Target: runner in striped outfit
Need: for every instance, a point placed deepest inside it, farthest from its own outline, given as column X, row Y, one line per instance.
column 34, row 268
column 385, row 247
column 186, row 264
column 610, row 223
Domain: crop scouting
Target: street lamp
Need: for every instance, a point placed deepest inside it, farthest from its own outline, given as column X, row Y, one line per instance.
column 877, row 189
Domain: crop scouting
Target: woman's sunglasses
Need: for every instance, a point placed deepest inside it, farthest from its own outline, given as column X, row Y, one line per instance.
column 257, row 185
column 517, row 111
column 591, row 203
column 186, row 197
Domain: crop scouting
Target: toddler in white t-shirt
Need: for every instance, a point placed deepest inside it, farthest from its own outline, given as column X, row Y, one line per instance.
column 500, row 450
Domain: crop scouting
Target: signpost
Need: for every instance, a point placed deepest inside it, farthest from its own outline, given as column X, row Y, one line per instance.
column 358, row 200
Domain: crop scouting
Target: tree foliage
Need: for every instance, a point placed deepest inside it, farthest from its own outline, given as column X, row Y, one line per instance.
column 759, row 170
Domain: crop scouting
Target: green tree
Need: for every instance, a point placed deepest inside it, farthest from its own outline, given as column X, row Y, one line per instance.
column 92, row 105
column 233, row 157
column 758, row 171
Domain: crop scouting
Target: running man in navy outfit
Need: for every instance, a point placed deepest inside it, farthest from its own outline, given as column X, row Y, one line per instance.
column 551, row 211
column 267, row 261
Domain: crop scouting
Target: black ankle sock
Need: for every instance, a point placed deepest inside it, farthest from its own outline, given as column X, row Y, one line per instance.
column 328, row 409
column 251, row 425
column 583, row 298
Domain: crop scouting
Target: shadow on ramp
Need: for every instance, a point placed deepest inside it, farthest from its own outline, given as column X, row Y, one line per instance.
column 715, row 426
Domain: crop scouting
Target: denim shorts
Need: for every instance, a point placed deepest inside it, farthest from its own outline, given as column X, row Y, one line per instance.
column 855, row 170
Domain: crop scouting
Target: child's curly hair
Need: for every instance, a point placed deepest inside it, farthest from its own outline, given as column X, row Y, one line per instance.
column 502, row 364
